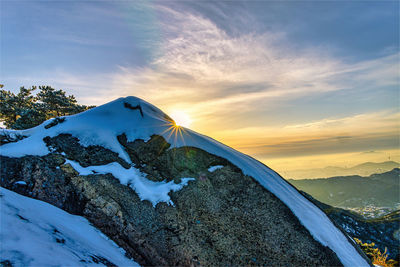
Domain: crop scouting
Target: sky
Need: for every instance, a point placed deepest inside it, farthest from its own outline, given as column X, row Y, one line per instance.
column 295, row 84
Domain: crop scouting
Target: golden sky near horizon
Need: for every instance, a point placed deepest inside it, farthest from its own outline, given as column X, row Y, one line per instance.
column 343, row 142
column 295, row 84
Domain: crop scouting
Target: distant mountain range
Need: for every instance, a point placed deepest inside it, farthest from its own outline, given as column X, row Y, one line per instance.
column 377, row 190
column 363, row 169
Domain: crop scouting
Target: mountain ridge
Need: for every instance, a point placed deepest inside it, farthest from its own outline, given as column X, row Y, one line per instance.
column 379, row 190
column 363, row 169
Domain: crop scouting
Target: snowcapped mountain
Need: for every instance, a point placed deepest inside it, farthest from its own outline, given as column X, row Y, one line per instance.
column 168, row 195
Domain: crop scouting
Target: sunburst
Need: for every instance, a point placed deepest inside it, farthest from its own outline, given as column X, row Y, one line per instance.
column 181, row 118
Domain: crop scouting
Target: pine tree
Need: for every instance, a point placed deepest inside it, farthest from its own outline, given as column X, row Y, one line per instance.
column 13, row 107
column 24, row 110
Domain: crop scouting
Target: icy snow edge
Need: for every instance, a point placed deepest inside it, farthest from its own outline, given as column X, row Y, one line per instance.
column 214, row 168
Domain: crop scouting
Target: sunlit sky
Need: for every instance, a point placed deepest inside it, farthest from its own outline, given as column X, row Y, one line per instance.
column 296, row 84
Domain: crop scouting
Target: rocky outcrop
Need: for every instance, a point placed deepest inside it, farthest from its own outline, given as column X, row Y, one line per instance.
column 221, row 218
column 7, row 137
column 85, row 156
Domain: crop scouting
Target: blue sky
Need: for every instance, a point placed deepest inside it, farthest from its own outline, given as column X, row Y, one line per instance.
column 259, row 75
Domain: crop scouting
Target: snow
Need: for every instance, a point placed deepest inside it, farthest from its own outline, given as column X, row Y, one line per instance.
column 154, row 192
column 12, row 134
column 109, row 120
column 214, row 168
column 102, row 125
column 34, row 233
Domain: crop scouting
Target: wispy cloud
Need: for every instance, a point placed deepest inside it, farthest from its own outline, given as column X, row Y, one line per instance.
column 199, row 65
column 217, row 74
column 379, row 130
column 209, row 70
column 377, row 120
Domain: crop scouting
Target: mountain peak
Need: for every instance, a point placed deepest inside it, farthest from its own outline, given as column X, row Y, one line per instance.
column 124, row 107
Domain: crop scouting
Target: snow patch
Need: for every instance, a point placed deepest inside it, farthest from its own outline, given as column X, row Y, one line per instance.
column 34, row 233
column 214, row 168
column 146, row 189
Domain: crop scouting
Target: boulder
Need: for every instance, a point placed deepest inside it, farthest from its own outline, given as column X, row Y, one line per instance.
column 223, row 217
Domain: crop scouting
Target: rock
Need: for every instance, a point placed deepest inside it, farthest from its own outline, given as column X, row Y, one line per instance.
column 86, row 156
column 161, row 163
column 7, row 137
column 54, row 122
column 44, row 179
column 222, row 218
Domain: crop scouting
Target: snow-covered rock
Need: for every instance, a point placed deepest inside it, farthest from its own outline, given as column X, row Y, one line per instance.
column 34, row 233
column 147, row 148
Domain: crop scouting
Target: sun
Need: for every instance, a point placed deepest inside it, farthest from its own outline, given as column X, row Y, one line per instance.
column 181, row 118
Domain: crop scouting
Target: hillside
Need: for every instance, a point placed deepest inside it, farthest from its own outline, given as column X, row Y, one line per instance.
column 383, row 231
column 168, row 195
column 364, row 169
column 355, row 192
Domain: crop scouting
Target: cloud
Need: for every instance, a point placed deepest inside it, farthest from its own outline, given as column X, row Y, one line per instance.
column 369, row 131
column 372, row 152
column 207, row 71
column 217, row 75
column 321, row 146
column 375, row 120
column 196, row 47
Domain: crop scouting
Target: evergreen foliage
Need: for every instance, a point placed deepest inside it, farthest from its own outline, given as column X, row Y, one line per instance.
column 25, row 110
